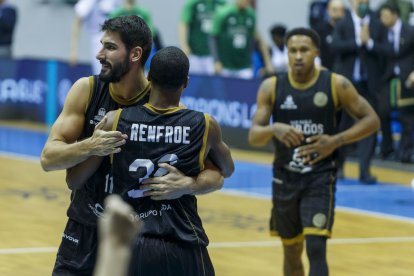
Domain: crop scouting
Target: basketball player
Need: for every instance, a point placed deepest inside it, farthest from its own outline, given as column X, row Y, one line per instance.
column 172, row 241
column 74, row 141
column 302, row 104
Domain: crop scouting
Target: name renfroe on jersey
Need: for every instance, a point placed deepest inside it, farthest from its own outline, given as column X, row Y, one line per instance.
column 155, row 134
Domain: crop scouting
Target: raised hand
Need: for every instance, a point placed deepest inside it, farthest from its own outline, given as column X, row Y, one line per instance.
column 172, row 185
column 317, row 147
column 103, row 142
column 288, row 135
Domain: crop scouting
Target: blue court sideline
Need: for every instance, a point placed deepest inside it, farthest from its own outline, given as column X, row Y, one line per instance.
column 255, row 179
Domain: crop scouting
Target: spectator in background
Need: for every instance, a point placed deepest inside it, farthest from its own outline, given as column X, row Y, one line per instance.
column 8, row 17
column 130, row 7
column 336, row 12
column 91, row 14
column 194, row 28
column 232, row 40
column 360, row 40
column 317, row 12
column 400, row 66
column 405, row 7
column 278, row 51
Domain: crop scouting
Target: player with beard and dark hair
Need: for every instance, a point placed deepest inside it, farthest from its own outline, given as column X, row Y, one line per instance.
column 77, row 139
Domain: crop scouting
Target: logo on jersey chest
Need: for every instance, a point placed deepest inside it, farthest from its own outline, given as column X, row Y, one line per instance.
column 288, row 103
column 320, row 99
column 98, row 117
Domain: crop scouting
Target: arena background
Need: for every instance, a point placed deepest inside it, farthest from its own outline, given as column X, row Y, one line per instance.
column 374, row 224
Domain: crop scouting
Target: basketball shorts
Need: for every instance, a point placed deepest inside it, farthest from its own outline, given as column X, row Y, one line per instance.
column 77, row 251
column 153, row 256
column 303, row 204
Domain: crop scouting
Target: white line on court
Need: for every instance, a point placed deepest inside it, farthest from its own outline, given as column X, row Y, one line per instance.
column 346, row 241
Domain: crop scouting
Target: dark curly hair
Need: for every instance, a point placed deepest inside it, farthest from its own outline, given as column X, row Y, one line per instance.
column 306, row 32
column 133, row 32
column 169, row 68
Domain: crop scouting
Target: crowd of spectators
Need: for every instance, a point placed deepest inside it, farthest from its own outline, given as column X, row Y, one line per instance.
column 374, row 48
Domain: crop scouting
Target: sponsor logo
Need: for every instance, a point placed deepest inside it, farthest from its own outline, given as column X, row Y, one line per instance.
column 319, row 220
column 289, row 103
column 98, row 117
column 22, row 91
column 320, row 99
column 97, row 209
column 308, row 127
column 70, row 238
column 227, row 113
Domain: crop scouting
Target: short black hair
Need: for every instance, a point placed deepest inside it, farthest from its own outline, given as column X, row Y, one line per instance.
column 133, row 31
column 278, row 29
column 391, row 7
column 306, row 32
column 169, row 68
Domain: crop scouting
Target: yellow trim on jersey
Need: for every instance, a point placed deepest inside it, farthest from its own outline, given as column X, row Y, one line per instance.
column 204, row 145
column 91, row 82
column 114, row 126
column 162, row 110
column 189, row 221
column 274, row 233
column 316, row 231
column 131, row 101
column 299, row 238
column 303, row 86
column 402, row 101
column 334, row 92
column 274, row 81
column 331, row 198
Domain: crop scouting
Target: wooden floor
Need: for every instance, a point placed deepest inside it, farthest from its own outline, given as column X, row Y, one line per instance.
column 33, row 214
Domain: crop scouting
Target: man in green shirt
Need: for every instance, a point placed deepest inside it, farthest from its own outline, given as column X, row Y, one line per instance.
column 194, row 28
column 233, row 37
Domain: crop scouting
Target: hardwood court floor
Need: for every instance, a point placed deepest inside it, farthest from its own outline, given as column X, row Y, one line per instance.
column 33, row 214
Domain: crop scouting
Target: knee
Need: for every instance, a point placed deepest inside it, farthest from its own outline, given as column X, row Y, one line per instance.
column 293, row 251
column 316, row 246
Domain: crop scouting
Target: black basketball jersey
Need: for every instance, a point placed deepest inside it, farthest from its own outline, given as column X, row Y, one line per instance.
column 175, row 136
column 87, row 202
column 310, row 109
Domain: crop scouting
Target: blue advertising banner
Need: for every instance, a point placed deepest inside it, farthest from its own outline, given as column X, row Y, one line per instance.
column 232, row 102
column 35, row 90
column 26, row 86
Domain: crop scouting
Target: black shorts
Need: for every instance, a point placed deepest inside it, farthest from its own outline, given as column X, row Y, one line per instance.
column 303, row 204
column 77, row 251
column 153, row 256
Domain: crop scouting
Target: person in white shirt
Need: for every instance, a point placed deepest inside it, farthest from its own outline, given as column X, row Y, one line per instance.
column 278, row 51
column 90, row 14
